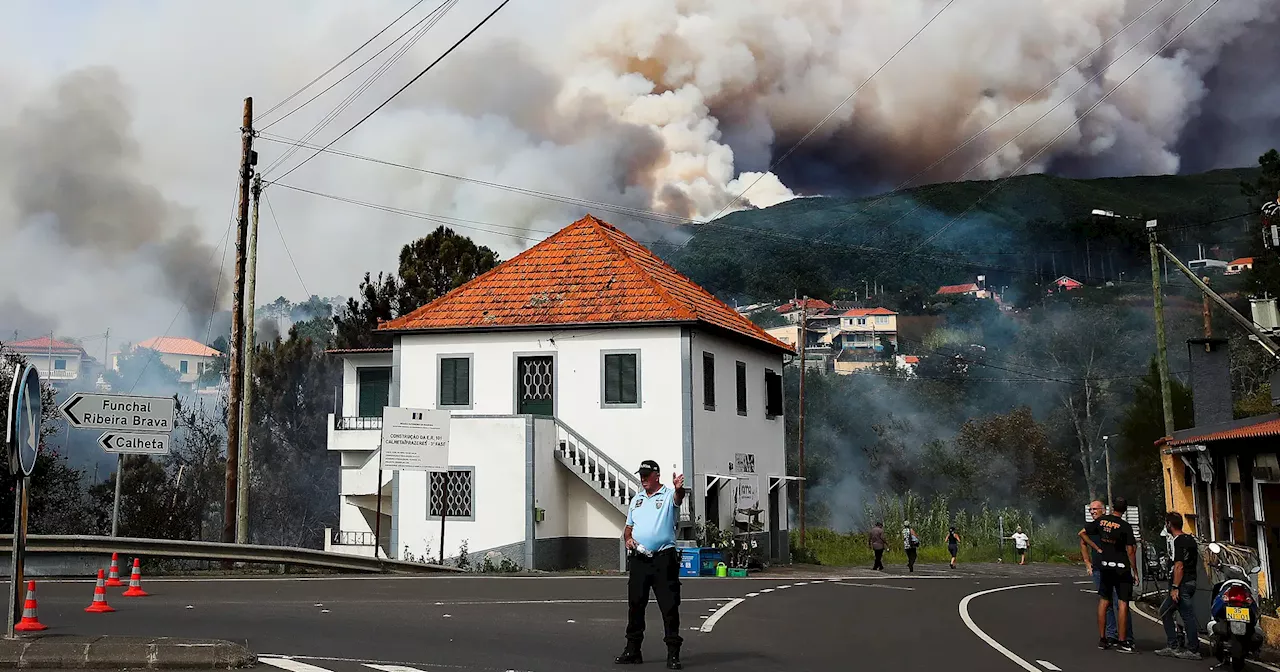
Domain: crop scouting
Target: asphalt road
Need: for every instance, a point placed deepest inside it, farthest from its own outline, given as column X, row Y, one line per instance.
column 1029, row 618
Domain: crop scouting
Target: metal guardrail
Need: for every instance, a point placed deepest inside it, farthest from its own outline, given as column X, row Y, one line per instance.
column 212, row 550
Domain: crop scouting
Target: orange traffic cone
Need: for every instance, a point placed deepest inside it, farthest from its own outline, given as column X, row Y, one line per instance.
column 135, row 581
column 99, row 598
column 113, row 576
column 30, row 621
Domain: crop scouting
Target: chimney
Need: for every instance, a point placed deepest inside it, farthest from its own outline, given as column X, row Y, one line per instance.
column 1210, row 381
column 1264, row 313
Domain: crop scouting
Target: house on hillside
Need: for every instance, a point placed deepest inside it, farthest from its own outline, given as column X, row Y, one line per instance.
column 58, row 362
column 864, row 333
column 966, row 289
column 1066, row 283
column 190, row 358
column 563, row 368
column 1239, row 266
column 793, row 310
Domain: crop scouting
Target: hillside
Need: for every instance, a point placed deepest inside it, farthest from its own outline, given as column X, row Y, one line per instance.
column 1032, row 227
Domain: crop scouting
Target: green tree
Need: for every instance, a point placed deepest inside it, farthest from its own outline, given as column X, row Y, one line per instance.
column 1015, row 449
column 432, row 266
column 376, row 301
column 142, row 372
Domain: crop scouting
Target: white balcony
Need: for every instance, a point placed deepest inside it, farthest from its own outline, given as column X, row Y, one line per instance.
column 354, row 433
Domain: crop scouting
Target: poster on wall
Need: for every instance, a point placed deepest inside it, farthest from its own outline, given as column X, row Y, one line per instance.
column 748, row 492
column 744, row 463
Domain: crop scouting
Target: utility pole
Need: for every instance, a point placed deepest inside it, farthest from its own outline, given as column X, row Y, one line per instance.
column 248, row 158
column 804, row 338
column 250, row 346
column 1208, row 317
column 1162, row 346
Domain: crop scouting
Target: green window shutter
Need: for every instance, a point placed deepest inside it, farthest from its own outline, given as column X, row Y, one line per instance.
column 621, row 379
column 374, row 390
column 455, row 381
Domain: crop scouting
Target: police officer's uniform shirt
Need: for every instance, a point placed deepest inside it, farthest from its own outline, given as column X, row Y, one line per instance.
column 652, row 519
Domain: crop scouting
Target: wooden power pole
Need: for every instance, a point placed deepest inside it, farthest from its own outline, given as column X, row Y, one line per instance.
column 250, row 347
column 804, row 338
column 248, row 158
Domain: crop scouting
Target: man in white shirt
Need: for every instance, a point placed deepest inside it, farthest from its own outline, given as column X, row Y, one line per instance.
column 1020, row 543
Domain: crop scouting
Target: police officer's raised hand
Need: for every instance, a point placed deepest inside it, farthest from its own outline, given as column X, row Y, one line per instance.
column 678, row 481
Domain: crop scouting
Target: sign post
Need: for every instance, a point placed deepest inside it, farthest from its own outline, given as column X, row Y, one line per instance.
column 413, row 439
column 135, row 425
column 22, row 439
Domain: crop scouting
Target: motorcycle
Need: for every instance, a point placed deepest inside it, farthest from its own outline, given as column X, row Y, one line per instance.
column 1234, row 634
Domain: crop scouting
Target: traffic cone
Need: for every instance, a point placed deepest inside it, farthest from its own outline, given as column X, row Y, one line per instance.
column 135, row 581
column 30, row 621
column 99, row 605
column 113, row 576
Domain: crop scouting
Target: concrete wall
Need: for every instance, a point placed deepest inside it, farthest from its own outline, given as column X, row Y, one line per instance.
column 350, row 380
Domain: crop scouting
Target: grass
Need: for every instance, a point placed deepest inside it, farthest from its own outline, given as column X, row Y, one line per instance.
column 836, row 549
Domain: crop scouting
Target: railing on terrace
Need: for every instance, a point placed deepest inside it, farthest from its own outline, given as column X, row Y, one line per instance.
column 349, row 538
column 355, row 422
column 609, row 476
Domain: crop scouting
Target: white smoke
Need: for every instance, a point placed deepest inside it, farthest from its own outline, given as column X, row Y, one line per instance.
column 674, row 106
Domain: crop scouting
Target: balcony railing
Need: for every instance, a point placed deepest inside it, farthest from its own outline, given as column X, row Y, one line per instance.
column 355, row 422
column 345, row 538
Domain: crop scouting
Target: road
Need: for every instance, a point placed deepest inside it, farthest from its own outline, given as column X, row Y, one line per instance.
column 1013, row 618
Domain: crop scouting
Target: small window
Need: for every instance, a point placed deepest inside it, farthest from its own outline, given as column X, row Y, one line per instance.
column 773, row 393
column 708, row 381
column 621, row 384
column 459, row 499
column 182, row 366
column 374, row 390
column 455, row 381
column 882, row 319
column 742, row 388
column 60, row 364
column 862, row 321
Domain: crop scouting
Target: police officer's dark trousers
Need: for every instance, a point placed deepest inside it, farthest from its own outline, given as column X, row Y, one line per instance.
column 661, row 573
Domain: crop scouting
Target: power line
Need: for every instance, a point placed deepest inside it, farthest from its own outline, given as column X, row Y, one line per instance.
column 430, row 22
column 384, row 103
column 324, row 74
column 284, row 242
column 736, row 199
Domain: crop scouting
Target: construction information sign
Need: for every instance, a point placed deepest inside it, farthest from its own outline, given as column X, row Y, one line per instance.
column 414, row 439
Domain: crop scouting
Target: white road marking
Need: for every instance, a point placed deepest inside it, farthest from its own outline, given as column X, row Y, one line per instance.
column 752, row 594
column 392, row 668
column 365, row 661
column 783, row 587
column 291, row 665
column 874, row 585
column 1203, row 640
column 1081, row 583
column 802, row 583
column 509, row 602
column 1049, row 666
column 766, row 590
column 711, row 622
column 964, row 616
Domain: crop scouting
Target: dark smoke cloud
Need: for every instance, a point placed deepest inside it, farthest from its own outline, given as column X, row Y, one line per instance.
column 78, row 182
column 17, row 318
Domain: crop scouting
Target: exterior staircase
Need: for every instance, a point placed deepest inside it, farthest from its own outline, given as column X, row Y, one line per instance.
column 608, row 478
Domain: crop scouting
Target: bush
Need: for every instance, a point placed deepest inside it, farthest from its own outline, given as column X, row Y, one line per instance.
column 827, row 547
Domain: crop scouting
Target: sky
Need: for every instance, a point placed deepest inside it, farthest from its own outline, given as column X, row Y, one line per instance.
column 119, row 142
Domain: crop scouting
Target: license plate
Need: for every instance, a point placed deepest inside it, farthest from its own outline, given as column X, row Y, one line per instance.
column 1238, row 614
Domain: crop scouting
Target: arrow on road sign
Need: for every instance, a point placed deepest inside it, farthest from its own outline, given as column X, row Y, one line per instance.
column 134, row 443
column 123, row 412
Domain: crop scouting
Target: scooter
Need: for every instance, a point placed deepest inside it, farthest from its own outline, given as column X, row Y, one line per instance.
column 1233, row 629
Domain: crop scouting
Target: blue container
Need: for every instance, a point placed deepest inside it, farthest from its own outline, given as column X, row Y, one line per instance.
column 690, row 561
column 709, row 558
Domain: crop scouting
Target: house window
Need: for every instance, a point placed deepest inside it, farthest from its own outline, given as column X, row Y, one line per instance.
column 60, row 365
column 455, row 381
column 374, row 390
column 182, row 367
column 862, row 321
column 882, row 319
column 621, row 379
column 708, row 381
column 742, row 388
column 455, row 492
column 772, row 394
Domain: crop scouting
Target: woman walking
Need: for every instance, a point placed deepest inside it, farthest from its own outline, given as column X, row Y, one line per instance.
column 953, row 545
column 910, row 544
column 877, row 543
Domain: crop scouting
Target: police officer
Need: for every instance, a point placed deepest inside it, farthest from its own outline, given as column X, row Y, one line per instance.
column 650, row 536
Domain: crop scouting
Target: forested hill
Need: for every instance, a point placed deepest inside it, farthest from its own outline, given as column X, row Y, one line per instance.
column 1031, row 225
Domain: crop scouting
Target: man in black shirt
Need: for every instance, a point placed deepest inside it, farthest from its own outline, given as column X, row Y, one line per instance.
column 1117, row 555
column 1186, row 558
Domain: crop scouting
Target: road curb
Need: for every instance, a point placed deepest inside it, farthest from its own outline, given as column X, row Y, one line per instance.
column 117, row 653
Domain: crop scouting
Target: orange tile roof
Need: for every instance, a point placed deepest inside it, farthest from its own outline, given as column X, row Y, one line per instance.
column 795, row 304
column 1242, row 261
column 1263, row 428
column 863, row 312
column 45, row 344
column 911, row 359
column 587, row 273
column 172, row 345
column 958, row 289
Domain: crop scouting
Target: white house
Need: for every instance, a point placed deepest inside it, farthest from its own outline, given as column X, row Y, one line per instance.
column 564, row 368
column 58, row 362
column 190, row 358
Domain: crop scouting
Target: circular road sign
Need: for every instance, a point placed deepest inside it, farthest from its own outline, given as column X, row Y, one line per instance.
column 23, row 432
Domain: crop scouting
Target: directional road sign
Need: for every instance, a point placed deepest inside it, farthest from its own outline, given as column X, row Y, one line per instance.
column 134, row 443
column 122, row 412
column 23, row 431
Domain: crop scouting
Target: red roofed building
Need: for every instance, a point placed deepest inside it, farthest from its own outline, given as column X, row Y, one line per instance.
column 562, row 369
column 967, row 289
column 1239, row 266
column 190, row 358
column 794, row 309
column 56, row 361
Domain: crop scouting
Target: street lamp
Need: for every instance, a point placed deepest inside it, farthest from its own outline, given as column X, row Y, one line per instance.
column 1106, row 447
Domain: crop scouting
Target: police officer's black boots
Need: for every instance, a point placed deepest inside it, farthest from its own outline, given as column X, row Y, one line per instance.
column 630, row 656
column 673, row 658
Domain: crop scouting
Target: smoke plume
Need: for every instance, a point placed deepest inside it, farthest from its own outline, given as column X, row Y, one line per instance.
column 120, row 157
